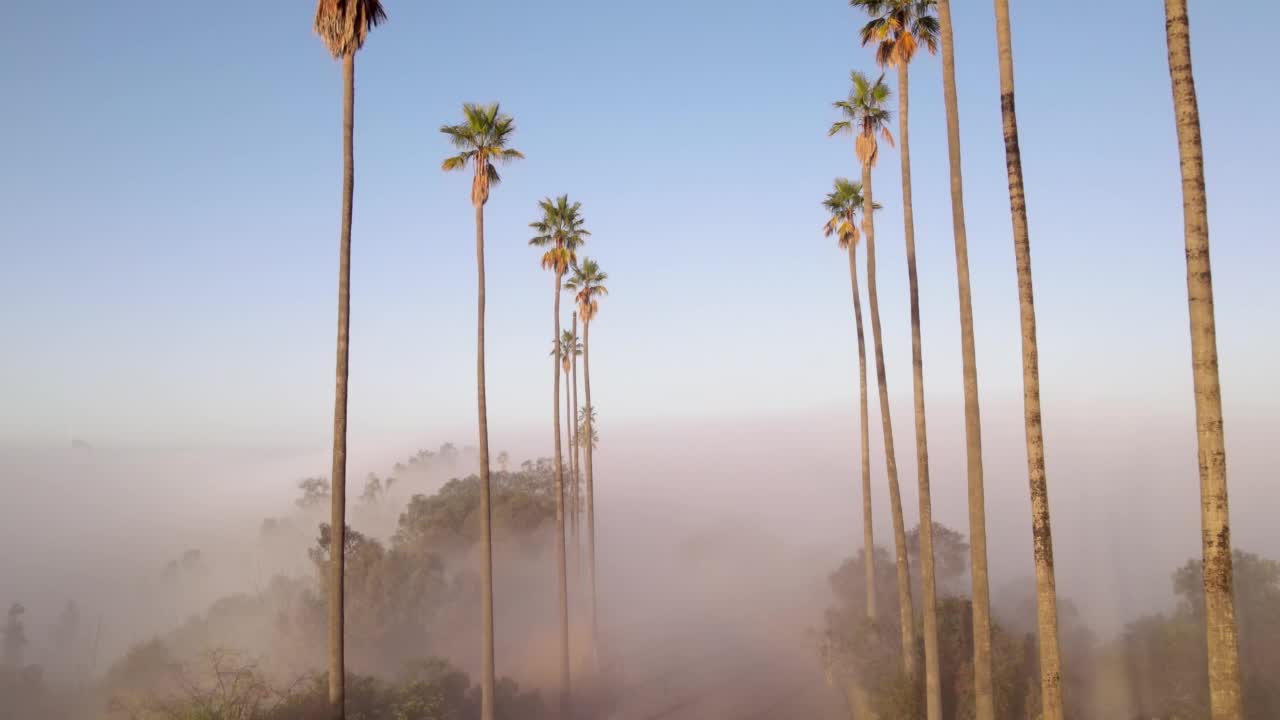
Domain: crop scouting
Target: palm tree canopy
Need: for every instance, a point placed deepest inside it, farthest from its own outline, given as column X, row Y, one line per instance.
column 583, row 414
column 587, row 284
column 899, row 28
column 343, row 25
column 568, row 347
column 561, row 230
column 481, row 139
column 866, row 114
column 844, row 202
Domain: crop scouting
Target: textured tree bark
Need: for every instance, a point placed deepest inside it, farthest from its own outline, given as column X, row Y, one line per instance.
column 487, row 674
column 1042, row 536
column 562, row 581
column 577, row 465
column 928, row 585
column 868, row 537
column 1225, row 697
column 906, row 614
column 338, row 494
column 984, row 699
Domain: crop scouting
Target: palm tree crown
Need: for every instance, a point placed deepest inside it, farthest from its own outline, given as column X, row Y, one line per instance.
column 344, row 24
column 561, row 231
column 899, row 27
column 569, row 346
column 482, row 139
column 844, row 202
column 581, row 434
column 865, row 115
column 587, row 284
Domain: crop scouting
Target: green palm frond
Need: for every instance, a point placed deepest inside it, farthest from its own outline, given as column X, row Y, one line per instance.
column 866, row 115
column 562, row 230
column 844, row 203
column 587, row 284
column 344, row 25
column 482, row 137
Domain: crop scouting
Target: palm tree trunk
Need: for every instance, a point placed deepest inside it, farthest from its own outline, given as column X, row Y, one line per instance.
column 984, row 698
column 868, row 537
column 338, row 495
column 1042, row 536
column 1225, row 701
column 573, row 482
column 906, row 615
column 577, row 462
column 487, row 674
column 928, row 585
column 562, row 581
column 591, row 506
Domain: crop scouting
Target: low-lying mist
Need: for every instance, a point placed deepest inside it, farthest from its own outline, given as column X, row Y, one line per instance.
column 721, row 551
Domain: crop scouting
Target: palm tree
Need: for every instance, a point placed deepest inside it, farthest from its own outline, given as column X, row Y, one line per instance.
column 1046, row 595
column 867, row 117
column 482, row 140
column 577, row 458
column 984, row 698
column 582, row 429
column 560, row 230
column 588, row 285
column 569, row 350
column 844, row 203
column 899, row 28
column 343, row 25
column 1224, row 658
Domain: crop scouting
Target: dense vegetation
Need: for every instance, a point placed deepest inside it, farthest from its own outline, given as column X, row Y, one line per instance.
column 255, row 656
column 1155, row 667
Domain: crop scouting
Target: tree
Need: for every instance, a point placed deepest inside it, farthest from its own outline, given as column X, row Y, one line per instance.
column 1042, row 535
column 504, row 460
column 482, row 140
column 984, row 702
column 588, row 285
column 898, row 28
column 569, row 351
column 561, row 231
column 844, row 203
column 1224, row 662
column 15, row 636
column 867, row 117
column 343, row 25
column 577, row 456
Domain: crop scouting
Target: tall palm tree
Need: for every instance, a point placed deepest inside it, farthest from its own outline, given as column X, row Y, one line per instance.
column 844, row 203
column 343, row 25
column 588, row 285
column 867, row 117
column 984, row 699
column 1046, row 594
column 482, row 140
column 569, row 350
column 577, row 456
column 1220, row 621
column 898, row 28
column 560, row 230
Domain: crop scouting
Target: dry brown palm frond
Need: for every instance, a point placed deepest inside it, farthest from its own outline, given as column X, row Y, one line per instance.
column 345, row 24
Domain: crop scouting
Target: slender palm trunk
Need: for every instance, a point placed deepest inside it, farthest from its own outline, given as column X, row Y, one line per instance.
column 487, row 675
column 572, row 488
column 1042, row 536
column 906, row 615
column 577, row 462
column 591, row 506
column 984, row 698
column 868, row 537
column 1225, row 701
column 338, row 496
column 928, row 585
column 562, row 581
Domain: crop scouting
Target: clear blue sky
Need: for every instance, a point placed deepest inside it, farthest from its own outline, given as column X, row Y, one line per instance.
column 171, row 179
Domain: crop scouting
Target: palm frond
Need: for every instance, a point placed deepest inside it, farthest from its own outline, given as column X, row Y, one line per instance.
column 344, row 25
